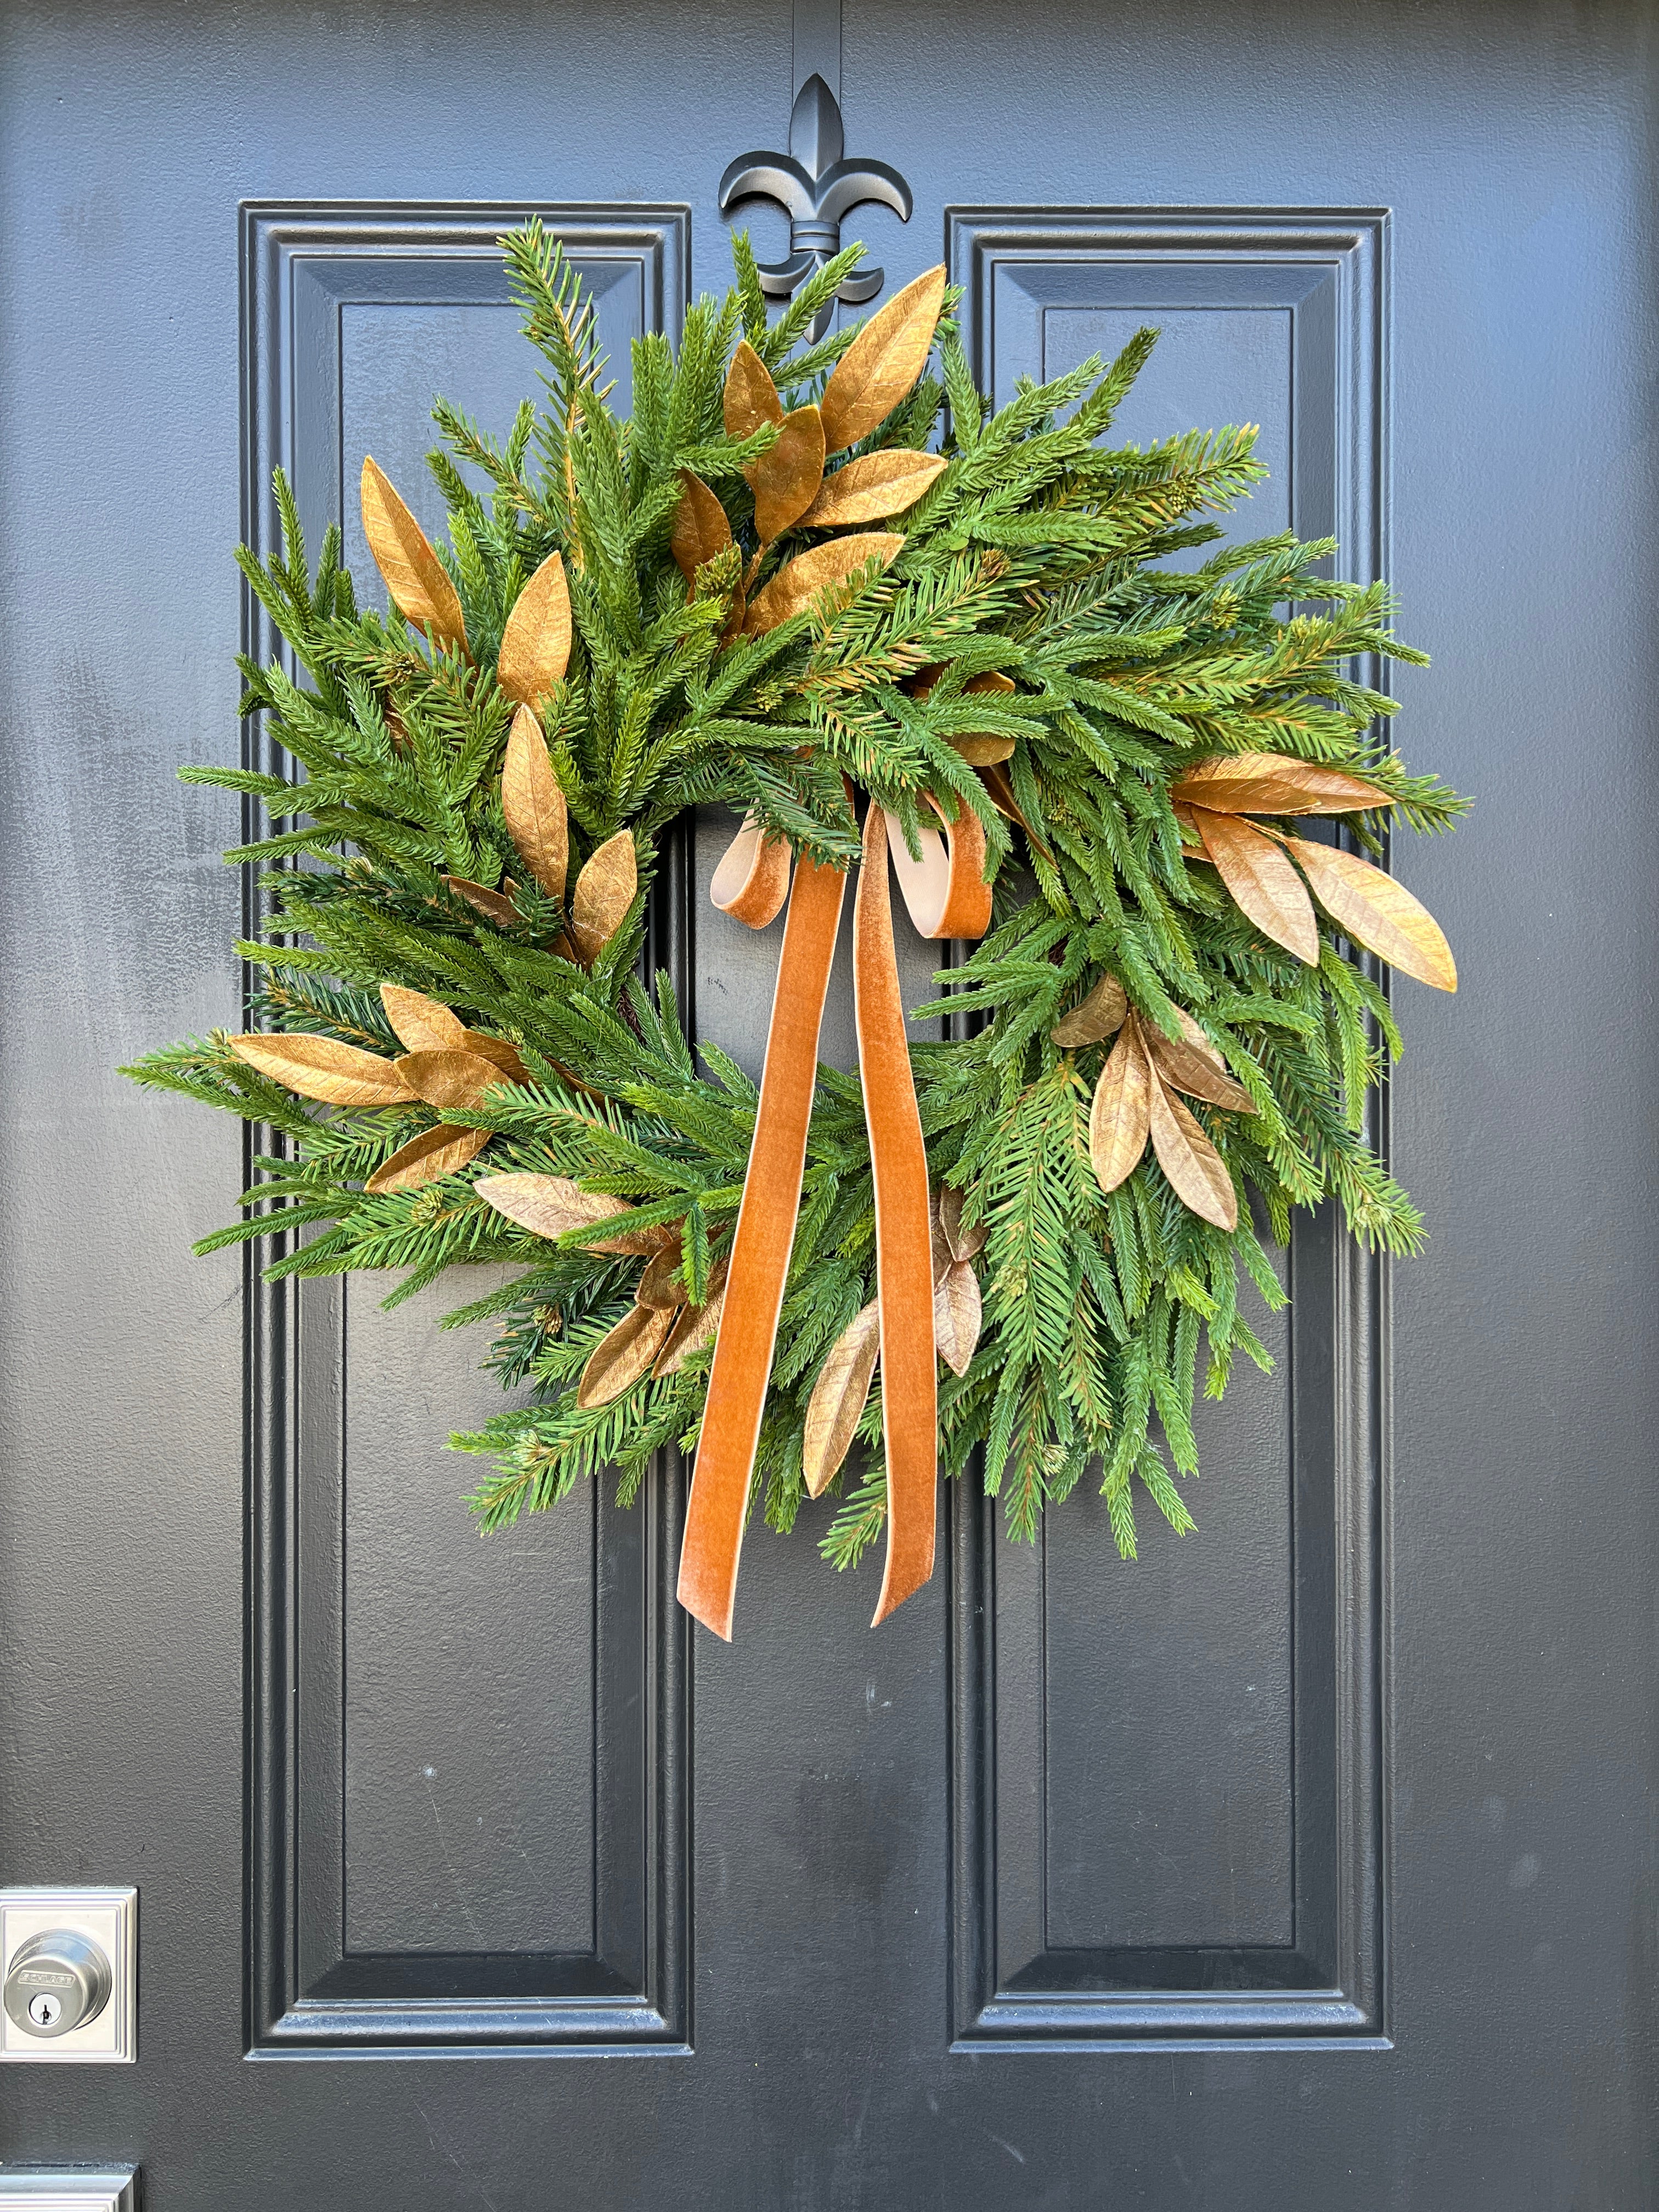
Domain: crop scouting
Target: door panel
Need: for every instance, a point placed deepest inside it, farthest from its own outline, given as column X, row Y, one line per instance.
column 1168, row 1785
column 464, row 1827
column 1305, row 1864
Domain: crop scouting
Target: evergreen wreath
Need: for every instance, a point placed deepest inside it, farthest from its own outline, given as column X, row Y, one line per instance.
column 1092, row 763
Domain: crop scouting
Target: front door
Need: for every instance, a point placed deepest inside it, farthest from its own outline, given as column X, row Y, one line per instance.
column 1305, row 1864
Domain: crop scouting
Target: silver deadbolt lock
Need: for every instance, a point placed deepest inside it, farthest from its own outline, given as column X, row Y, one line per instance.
column 57, row 1982
column 69, row 1978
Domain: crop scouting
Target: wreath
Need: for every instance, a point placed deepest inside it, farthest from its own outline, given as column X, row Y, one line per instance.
column 823, row 585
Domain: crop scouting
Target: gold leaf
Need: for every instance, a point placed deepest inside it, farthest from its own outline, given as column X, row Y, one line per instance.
column 984, row 752
column 700, row 529
column 786, row 480
column 552, row 1206
column 1273, row 783
column 881, row 365
column 625, row 1357
column 421, row 1024
column 1000, row 790
column 938, row 1244
column 964, row 1244
column 694, row 1327
column 838, row 1397
column 505, row 1055
column 536, row 642
column 1119, row 1116
column 434, row 1152
column 751, row 398
column 659, row 1285
column 1378, row 912
column 1198, row 1174
column 494, row 906
column 873, row 487
column 1100, row 1016
column 798, row 582
column 605, row 891
column 1263, row 882
column 415, row 576
column 537, row 820
column 1195, row 1072
column 1199, row 1042
column 957, row 1316
column 448, row 1079
column 319, row 1067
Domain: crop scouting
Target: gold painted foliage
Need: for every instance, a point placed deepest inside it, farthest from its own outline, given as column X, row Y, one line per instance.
column 1254, row 860
column 883, row 362
column 798, row 582
column 416, row 578
column 1135, row 1098
column 536, row 642
column 538, row 819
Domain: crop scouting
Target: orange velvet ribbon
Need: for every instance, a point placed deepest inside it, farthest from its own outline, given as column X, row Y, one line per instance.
column 947, row 897
column 904, row 1259
column 765, row 1237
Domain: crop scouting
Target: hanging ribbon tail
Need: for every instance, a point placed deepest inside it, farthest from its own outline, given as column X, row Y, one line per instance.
column 905, row 1273
column 719, row 1504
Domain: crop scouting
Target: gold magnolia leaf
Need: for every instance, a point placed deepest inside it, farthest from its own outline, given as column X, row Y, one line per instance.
column 498, row 1049
column 1263, row 884
column 881, row 365
column 434, row 1152
column 694, row 1327
column 448, row 1079
column 659, row 1285
column 1198, row 1174
column 537, row 820
column 1378, row 912
column 1199, row 1042
column 1273, row 783
column 420, row 1024
column 494, row 906
column 838, row 1396
column 1100, row 1016
column 552, row 1206
column 798, row 582
column 873, row 487
column 536, row 642
column 957, row 1316
column 786, row 480
column 1120, row 1114
column 625, row 1357
column 1000, row 790
column 750, row 400
column 1195, row 1072
column 984, row 752
column 319, row 1067
column 942, row 1257
column 700, row 528
column 415, row 576
column 963, row 1243
column 605, row 891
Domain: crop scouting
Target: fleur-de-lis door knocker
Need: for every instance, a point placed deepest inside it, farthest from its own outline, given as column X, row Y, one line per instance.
column 817, row 187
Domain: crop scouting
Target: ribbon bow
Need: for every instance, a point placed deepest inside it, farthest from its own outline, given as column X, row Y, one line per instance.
column 946, row 895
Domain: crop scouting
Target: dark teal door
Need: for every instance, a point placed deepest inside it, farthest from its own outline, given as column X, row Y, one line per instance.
column 1307, row 1864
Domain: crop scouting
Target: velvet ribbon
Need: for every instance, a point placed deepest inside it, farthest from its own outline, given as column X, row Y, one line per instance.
column 947, row 896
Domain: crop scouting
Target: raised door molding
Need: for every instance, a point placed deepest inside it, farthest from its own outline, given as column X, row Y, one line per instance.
column 1278, row 1939
column 330, row 294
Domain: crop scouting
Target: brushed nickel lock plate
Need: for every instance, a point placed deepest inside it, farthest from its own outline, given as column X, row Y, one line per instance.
column 76, row 1948
column 67, row 2189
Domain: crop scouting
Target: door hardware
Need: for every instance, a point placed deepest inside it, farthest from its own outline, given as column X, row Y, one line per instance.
column 68, row 1976
column 67, row 2189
